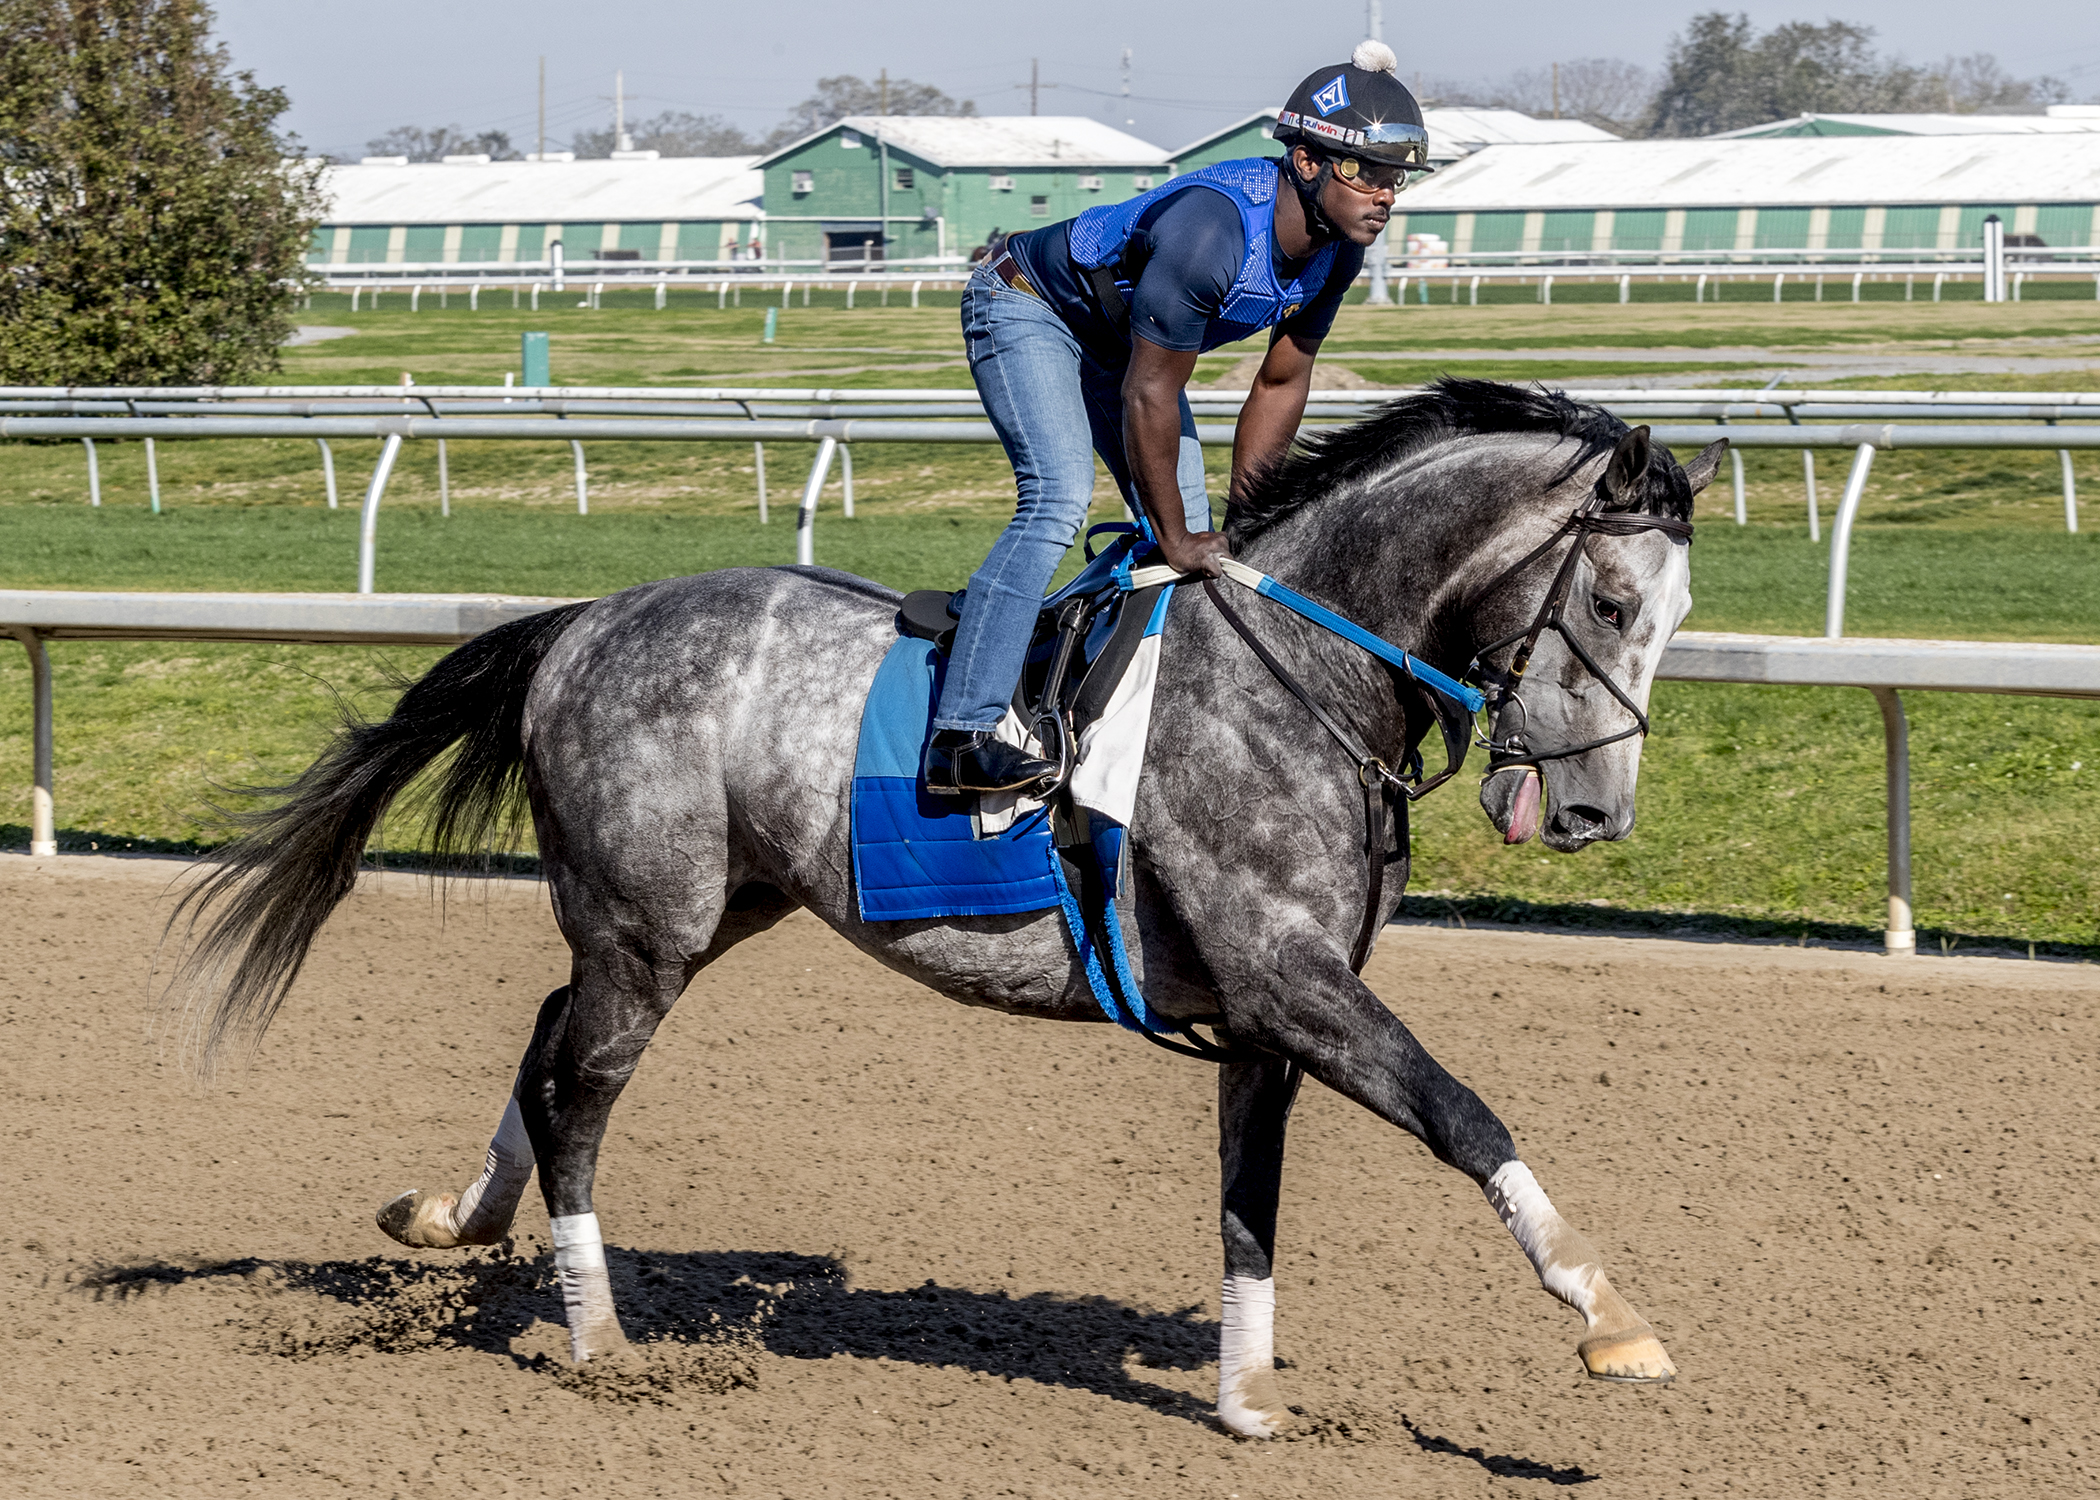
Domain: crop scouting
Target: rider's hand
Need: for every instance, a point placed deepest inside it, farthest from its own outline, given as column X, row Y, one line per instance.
column 1197, row 552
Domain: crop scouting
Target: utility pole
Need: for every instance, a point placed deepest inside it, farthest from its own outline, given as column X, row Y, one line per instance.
column 1034, row 80
column 1127, row 120
column 620, row 140
column 885, row 109
column 1556, row 91
column 1378, row 296
column 542, row 153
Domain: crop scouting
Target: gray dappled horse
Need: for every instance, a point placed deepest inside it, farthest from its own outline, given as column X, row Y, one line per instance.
column 687, row 750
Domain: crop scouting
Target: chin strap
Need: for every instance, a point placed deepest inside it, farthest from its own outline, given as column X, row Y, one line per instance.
column 1309, row 195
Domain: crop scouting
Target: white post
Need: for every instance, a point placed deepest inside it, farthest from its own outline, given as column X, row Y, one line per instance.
column 152, row 478
column 557, row 255
column 806, row 521
column 1901, row 940
column 1939, row 279
column 95, row 474
column 327, row 469
column 850, row 285
column 2019, row 282
column 1910, row 287
column 1841, row 542
column 415, row 299
column 663, row 292
column 2070, row 492
column 597, row 290
column 1857, row 277
column 806, row 286
column 375, row 298
column 1808, row 471
column 787, row 290
column 513, row 296
column 915, row 293
column 1993, row 258
column 474, row 297
column 1778, row 281
column 1819, row 288
column 1546, row 290
column 444, row 482
column 1473, row 294
column 1742, row 514
column 535, row 296
column 368, row 521
column 758, row 454
column 43, row 833
column 1699, row 288
column 846, row 477
column 355, row 293
column 1400, row 293
column 1625, row 290
column 583, row 494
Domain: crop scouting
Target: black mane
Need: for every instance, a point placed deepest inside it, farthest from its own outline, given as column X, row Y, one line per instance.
column 1451, row 407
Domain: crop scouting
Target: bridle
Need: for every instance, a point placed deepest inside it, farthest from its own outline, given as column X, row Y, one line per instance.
column 1589, row 519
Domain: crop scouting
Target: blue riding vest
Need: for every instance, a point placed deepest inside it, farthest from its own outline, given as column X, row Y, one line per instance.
column 1256, row 299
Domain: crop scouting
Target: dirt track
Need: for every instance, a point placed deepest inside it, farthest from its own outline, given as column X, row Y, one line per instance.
column 888, row 1246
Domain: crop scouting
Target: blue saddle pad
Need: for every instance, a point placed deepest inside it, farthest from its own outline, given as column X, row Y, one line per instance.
column 918, row 856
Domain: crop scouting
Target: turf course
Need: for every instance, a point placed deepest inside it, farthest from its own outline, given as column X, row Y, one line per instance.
column 1760, row 806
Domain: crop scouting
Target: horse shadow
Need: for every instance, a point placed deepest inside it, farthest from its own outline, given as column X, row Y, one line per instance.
column 790, row 1305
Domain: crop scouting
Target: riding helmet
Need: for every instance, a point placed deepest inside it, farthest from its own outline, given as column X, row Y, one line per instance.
column 1358, row 109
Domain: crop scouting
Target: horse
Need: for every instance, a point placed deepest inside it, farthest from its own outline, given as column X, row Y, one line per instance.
column 687, row 765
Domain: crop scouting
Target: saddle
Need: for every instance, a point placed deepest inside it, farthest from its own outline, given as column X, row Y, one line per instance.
column 1086, row 637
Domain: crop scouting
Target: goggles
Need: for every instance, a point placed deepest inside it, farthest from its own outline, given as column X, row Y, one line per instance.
column 1373, row 176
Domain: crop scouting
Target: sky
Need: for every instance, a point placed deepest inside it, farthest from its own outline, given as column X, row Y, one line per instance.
column 355, row 73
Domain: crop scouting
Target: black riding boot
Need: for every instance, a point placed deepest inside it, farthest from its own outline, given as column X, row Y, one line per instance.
column 963, row 762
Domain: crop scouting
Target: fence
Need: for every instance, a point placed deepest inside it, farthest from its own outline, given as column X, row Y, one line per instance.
column 829, row 434
column 1883, row 667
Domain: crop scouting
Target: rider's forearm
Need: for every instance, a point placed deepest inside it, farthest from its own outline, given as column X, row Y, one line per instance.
column 1268, row 424
column 1152, row 444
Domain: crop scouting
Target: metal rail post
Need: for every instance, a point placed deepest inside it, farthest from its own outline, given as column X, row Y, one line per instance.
column 583, row 493
column 758, row 456
column 368, row 519
column 444, row 482
column 327, row 468
column 1808, row 473
column 1901, row 939
column 95, row 476
column 1742, row 515
column 1841, row 541
column 2070, row 492
column 152, row 478
column 43, row 837
column 846, row 478
column 806, row 522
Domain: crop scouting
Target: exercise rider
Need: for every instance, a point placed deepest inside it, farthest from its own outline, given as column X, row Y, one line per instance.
column 1081, row 337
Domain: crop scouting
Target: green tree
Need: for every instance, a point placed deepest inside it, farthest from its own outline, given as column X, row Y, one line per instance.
column 844, row 94
column 1721, row 75
column 153, row 221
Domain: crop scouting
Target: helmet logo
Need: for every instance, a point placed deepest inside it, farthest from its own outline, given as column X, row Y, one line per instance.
column 1332, row 97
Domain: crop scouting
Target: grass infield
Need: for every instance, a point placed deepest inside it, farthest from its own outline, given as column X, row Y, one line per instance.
column 1761, row 808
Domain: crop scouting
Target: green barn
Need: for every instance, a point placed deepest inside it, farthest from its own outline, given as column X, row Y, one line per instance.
column 916, row 187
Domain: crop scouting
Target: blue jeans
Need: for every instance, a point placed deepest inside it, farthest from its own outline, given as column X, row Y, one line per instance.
column 1054, row 407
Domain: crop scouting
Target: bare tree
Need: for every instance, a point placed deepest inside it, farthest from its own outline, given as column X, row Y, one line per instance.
column 439, row 142
column 674, row 133
column 844, row 95
column 1607, row 92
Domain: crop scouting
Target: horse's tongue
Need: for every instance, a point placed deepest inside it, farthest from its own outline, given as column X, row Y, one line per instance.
column 1524, row 811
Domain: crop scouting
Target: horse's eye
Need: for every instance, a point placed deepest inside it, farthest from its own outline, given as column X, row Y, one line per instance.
column 1608, row 611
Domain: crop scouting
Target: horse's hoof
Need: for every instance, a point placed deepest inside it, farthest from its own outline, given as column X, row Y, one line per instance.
column 1254, row 1407
column 1634, row 1356
column 420, row 1222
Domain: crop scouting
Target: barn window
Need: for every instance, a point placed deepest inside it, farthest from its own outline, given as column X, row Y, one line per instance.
column 805, row 182
column 1039, row 207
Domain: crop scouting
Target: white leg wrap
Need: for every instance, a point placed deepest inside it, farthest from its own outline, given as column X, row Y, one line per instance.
column 1247, row 1397
column 487, row 1207
column 1544, row 1237
column 586, row 1289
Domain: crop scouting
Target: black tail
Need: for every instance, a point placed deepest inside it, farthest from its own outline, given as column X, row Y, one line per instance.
column 295, row 861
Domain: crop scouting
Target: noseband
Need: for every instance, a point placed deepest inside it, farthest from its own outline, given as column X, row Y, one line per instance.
column 1591, row 519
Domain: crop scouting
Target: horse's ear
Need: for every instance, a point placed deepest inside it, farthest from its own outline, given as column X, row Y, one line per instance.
column 1627, row 474
column 1701, row 470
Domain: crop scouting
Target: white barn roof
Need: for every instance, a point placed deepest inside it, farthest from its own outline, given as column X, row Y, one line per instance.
column 999, row 140
column 2061, row 119
column 1475, row 128
column 688, row 187
column 1798, row 171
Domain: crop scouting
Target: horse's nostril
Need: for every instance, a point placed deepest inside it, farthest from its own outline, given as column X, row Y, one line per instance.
column 1576, row 815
